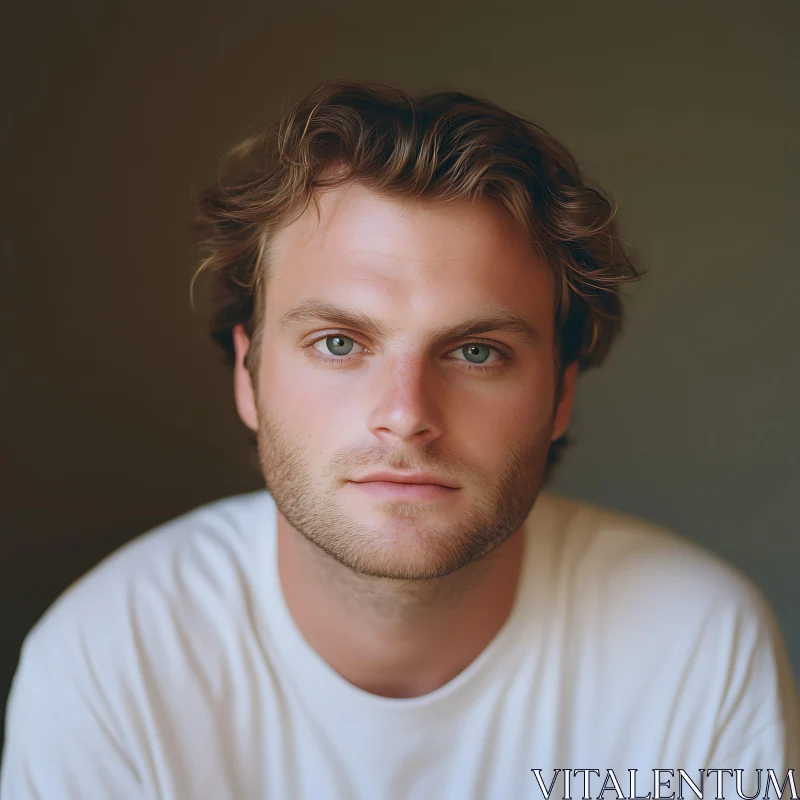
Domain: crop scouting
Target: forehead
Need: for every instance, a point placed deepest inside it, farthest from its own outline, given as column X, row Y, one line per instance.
column 418, row 259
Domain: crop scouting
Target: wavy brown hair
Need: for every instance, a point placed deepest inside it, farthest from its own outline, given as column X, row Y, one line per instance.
column 440, row 146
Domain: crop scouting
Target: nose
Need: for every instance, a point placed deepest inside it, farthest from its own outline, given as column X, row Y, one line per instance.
column 406, row 409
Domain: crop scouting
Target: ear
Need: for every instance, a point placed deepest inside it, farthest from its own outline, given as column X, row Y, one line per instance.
column 564, row 410
column 243, row 391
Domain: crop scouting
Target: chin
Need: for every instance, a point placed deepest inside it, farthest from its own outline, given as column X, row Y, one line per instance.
column 403, row 566
column 407, row 549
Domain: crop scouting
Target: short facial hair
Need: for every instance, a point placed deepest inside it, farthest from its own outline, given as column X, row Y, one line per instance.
column 439, row 549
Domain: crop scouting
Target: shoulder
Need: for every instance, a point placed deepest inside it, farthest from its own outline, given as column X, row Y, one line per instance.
column 140, row 636
column 666, row 611
column 646, row 589
column 636, row 560
column 170, row 575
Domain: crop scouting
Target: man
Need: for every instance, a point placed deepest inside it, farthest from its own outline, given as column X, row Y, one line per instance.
column 407, row 289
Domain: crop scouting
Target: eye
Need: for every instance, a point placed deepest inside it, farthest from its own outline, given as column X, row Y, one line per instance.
column 336, row 345
column 475, row 352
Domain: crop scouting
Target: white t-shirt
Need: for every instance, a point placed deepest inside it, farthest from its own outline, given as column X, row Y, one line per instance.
column 174, row 670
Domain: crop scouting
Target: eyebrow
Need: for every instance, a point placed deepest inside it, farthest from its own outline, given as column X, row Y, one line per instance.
column 496, row 319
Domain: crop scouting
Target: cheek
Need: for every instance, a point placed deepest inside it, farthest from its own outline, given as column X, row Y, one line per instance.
column 308, row 412
column 488, row 425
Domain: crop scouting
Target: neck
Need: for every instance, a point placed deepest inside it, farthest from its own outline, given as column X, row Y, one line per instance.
column 396, row 638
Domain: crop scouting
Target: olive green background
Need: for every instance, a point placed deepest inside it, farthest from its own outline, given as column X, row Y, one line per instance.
column 117, row 413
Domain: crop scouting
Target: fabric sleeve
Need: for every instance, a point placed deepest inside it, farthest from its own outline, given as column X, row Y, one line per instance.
column 759, row 722
column 59, row 738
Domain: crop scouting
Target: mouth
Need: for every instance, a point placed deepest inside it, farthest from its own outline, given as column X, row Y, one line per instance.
column 408, row 491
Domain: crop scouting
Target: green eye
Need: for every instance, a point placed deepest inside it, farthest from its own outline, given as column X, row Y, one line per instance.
column 339, row 345
column 475, row 352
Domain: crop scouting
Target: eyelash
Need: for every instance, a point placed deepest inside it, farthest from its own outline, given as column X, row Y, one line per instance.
column 338, row 362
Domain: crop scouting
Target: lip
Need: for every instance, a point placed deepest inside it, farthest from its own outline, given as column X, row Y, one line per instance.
column 406, row 478
column 404, row 490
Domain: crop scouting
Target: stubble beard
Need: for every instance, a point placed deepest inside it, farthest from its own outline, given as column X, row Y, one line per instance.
column 422, row 549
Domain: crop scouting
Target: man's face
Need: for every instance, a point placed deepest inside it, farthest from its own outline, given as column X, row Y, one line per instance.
column 338, row 399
